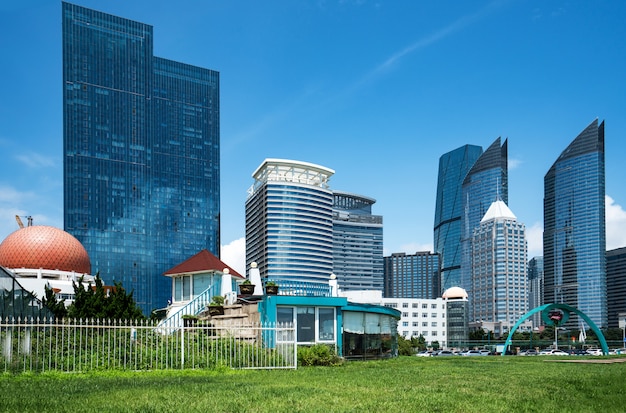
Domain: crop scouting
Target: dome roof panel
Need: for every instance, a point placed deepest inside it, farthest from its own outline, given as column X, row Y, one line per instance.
column 46, row 247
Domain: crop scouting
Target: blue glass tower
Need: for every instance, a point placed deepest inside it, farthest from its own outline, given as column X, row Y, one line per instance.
column 357, row 243
column 453, row 167
column 486, row 182
column 574, row 240
column 141, row 153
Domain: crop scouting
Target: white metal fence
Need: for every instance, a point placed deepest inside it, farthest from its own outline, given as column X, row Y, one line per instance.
column 84, row 345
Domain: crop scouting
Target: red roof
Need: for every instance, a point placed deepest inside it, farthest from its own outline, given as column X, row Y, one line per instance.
column 202, row 261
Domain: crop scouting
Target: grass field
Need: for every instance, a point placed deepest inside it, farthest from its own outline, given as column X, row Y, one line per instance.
column 406, row 384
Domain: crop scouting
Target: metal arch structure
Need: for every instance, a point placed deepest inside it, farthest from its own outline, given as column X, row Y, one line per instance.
column 594, row 328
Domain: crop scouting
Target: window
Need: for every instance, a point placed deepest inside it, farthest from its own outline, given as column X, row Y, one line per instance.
column 405, row 314
column 405, row 305
column 313, row 324
column 305, row 320
column 284, row 315
column 424, row 305
column 326, row 323
column 433, row 306
column 405, row 324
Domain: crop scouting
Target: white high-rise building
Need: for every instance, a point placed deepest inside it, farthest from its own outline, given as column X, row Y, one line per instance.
column 499, row 270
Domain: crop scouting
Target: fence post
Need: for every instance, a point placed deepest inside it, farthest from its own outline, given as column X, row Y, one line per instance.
column 182, row 347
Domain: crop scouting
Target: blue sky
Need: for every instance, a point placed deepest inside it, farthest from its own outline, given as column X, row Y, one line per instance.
column 376, row 90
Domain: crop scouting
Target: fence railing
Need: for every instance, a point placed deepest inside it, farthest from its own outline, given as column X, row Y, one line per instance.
column 85, row 345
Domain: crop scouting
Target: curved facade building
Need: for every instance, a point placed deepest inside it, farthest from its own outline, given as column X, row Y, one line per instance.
column 486, row 182
column 574, row 237
column 289, row 221
column 453, row 167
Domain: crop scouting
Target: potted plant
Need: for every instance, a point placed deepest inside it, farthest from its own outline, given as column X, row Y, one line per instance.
column 216, row 306
column 246, row 288
column 271, row 288
column 189, row 320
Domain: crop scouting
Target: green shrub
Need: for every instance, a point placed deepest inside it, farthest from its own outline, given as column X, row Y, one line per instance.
column 318, row 355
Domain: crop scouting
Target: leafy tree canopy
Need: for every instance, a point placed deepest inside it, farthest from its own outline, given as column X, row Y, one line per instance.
column 94, row 302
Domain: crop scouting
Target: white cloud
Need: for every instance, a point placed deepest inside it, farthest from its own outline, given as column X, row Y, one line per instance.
column 35, row 160
column 615, row 224
column 534, row 236
column 234, row 254
column 514, row 163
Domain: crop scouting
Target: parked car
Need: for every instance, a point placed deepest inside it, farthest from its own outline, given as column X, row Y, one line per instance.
column 425, row 353
column 444, row 353
column 594, row 351
column 472, row 353
column 618, row 351
column 553, row 352
column 578, row 352
column 528, row 352
column 485, row 352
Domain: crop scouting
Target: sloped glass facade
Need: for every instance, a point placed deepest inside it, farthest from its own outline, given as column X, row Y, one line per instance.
column 453, row 167
column 486, row 182
column 574, row 240
column 141, row 153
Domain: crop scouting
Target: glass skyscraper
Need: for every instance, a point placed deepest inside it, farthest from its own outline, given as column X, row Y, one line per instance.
column 357, row 243
column 486, row 182
column 453, row 168
column 141, row 153
column 574, row 240
column 289, row 222
column 412, row 275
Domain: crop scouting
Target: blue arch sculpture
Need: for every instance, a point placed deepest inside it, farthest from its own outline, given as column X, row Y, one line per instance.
column 570, row 309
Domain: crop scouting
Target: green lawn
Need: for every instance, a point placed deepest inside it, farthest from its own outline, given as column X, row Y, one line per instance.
column 406, row 384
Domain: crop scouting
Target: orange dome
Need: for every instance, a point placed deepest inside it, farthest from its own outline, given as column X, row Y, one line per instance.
column 41, row 246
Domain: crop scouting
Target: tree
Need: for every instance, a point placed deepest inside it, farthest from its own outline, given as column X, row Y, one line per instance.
column 94, row 302
column 404, row 347
column 52, row 303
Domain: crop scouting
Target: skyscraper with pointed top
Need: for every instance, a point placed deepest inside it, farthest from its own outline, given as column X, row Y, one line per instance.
column 498, row 269
column 486, row 182
column 574, row 236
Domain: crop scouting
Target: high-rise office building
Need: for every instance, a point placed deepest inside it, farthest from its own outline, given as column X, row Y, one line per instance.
column 413, row 275
column 498, row 268
column 616, row 285
column 357, row 243
column 289, row 221
column 141, row 153
column 485, row 182
column 535, row 288
column 453, row 168
column 574, row 238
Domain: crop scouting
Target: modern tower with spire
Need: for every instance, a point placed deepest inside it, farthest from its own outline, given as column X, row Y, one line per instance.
column 574, row 236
